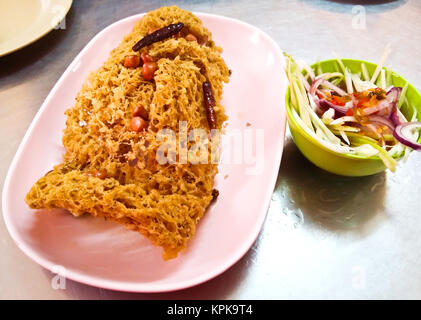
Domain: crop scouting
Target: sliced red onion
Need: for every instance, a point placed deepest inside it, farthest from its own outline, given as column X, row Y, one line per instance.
column 385, row 107
column 390, row 88
column 392, row 97
column 319, row 80
column 314, row 102
column 394, row 117
column 339, row 110
column 368, row 111
column 373, row 129
column 320, row 92
column 331, row 86
column 369, row 128
column 400, row 136
column 383, row 121
column 315, row 84
column 395, row 93
column 319, row 109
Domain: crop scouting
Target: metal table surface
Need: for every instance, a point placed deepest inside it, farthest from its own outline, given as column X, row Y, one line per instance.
column 325, row 236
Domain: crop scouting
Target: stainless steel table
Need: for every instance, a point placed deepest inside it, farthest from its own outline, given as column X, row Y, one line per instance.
column 325, row 236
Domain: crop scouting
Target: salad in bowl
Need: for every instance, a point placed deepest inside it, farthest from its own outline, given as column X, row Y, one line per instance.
column 355, row 110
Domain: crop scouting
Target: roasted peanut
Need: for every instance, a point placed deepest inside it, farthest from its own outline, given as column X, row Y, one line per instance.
column 146, row 57
column 137, row 124
column 139, row 111
column 132, row 61
column 148, row 70
column 191, row 37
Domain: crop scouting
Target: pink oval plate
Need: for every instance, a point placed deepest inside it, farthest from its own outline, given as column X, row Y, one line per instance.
column 106, row 254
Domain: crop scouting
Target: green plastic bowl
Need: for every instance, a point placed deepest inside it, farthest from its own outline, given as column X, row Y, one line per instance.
column 346, row 164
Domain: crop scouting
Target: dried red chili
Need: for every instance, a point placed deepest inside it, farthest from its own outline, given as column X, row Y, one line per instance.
column 209, row 104
column 215, row 194
column 158, row 35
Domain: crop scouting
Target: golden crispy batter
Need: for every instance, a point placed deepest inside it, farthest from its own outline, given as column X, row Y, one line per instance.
column 163, row 202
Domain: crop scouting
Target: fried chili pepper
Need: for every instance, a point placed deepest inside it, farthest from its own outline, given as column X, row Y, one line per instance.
column 215, row 194
column 159, row 35
column 209, row 104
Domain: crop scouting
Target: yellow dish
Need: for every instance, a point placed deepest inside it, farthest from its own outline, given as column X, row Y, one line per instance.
column 25, row 21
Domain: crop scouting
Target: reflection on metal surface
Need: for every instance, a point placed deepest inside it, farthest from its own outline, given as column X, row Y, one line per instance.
column 331, row 201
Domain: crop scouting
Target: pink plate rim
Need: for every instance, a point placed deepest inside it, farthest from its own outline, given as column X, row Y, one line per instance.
column 124, row 285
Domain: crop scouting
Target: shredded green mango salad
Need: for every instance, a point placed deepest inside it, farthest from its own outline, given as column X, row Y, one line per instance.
column 356, row 114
